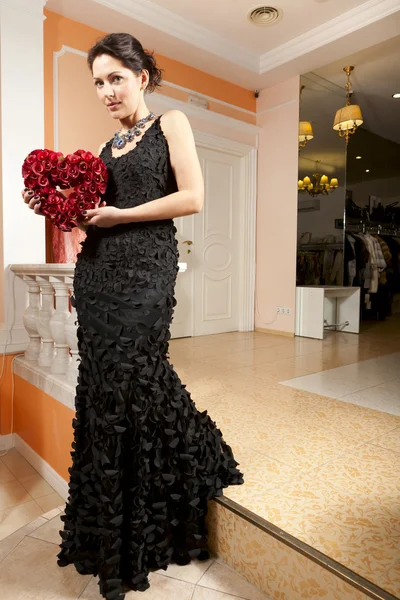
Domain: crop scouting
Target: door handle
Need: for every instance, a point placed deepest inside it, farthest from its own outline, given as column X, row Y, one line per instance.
column 188, row 242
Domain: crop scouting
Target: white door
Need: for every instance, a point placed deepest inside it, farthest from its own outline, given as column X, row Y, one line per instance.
column 207, row 293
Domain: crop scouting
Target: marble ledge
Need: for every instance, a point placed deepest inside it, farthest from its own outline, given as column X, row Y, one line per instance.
column 55, row 386
column 58, row 269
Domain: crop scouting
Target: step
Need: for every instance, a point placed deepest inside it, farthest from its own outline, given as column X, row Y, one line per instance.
column 278, row 564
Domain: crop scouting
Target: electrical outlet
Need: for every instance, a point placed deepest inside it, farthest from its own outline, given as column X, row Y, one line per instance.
column 282, row 310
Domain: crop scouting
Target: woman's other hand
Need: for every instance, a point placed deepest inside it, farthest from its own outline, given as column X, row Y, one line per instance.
column 103, row 216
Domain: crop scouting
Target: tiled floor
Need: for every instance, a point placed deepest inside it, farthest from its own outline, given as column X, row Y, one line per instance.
column 373, row 383
column 321, row 460
column 24, row 494
column 29, row 571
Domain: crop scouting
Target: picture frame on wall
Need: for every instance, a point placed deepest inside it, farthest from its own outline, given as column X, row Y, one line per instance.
column 339, row 223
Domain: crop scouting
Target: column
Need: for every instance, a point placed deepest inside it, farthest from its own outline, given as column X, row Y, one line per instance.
column 22, row 233
column 72, row 339
column 43, row 323
column 31, row 318
column 57, row 327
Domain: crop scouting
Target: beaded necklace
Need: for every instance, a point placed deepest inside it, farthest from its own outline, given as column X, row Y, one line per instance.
column 121, row 139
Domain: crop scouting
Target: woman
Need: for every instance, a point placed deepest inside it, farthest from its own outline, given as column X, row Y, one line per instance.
column 145, row 461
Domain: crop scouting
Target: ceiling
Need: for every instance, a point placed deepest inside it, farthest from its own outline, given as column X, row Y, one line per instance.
column 215, row 36
column 228, row 19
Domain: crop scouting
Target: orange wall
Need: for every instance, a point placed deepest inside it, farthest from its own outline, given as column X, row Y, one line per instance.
column 41, row 421
column 44, row 424
column 5, row 395
column 59, row 31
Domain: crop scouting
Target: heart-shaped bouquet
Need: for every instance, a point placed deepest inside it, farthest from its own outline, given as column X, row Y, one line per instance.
column 46, row 172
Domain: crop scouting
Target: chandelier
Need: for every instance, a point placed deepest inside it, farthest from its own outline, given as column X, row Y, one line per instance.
column 305, row 129
column 317, row 184
column 349, row 118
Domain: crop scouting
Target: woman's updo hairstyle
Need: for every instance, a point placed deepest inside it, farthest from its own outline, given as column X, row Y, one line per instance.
column 129, row 51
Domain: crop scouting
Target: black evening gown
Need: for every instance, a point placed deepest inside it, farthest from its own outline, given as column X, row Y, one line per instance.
column 145, row 461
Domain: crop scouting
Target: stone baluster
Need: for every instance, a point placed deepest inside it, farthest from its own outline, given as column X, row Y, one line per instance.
column 58, row 320
column 31, row 316
column 43, row 322
column 72, row 340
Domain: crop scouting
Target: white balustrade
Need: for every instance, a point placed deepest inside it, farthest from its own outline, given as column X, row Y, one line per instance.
column 48, row 320
column 50, row 323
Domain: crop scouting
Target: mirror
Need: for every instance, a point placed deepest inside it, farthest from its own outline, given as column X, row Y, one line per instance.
column 320, row 259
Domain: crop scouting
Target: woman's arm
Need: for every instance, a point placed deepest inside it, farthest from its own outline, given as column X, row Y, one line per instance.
column 186, row 166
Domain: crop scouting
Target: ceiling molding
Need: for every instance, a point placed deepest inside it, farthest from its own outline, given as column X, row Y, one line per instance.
column 347, row 23
column 165, row 20
column 32, row 7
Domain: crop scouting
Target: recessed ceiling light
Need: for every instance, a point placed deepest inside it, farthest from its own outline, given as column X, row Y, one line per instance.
column 367, row 170
column 396, row 95
column 358, row 157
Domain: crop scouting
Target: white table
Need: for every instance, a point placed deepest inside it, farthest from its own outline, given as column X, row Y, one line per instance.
column 322, row 307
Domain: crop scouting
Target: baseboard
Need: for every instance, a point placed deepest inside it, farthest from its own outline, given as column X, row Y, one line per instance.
column 274, row 332
column 43, row 468
column 6, row 441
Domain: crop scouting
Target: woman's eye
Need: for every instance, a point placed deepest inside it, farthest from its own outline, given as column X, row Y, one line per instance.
column 98, row 83
column 117, row 78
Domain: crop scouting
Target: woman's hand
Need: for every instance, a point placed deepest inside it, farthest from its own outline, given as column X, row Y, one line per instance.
column 32, row 201
column 103, row 216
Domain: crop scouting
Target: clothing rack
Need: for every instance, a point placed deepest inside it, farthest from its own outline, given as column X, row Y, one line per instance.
column 320, row 246
column 377, row 228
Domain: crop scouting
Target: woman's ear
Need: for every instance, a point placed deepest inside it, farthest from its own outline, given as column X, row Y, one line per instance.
column 144, row 80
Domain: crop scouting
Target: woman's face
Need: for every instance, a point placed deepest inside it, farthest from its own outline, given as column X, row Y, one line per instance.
column 119, row 88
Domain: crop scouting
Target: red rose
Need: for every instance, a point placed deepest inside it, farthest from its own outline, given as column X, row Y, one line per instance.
column 62, row 165
column 73, row 171
column 73, row 159
column 43, row 181
column 97, row 166
column 88, row 177
column 83, row 166
column 43, row 155
column 37, row 168
column 81, row 189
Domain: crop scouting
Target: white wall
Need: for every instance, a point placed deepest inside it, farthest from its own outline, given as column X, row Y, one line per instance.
column 322, row 222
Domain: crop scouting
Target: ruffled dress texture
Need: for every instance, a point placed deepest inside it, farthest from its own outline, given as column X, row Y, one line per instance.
column 145, row 461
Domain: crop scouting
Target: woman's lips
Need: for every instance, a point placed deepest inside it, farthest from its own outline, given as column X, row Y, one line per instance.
column 114, row 105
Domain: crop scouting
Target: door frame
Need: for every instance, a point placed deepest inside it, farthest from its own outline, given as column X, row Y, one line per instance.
column 247, row 219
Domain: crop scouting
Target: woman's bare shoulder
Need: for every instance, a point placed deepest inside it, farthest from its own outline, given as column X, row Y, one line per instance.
column 102, row 146
column 175, row 124
column 173, row 117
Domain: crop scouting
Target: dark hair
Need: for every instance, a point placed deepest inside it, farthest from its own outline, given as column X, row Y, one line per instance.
column 129, row 51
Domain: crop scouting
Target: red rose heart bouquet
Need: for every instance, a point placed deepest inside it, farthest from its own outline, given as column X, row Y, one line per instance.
column 46, row 173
